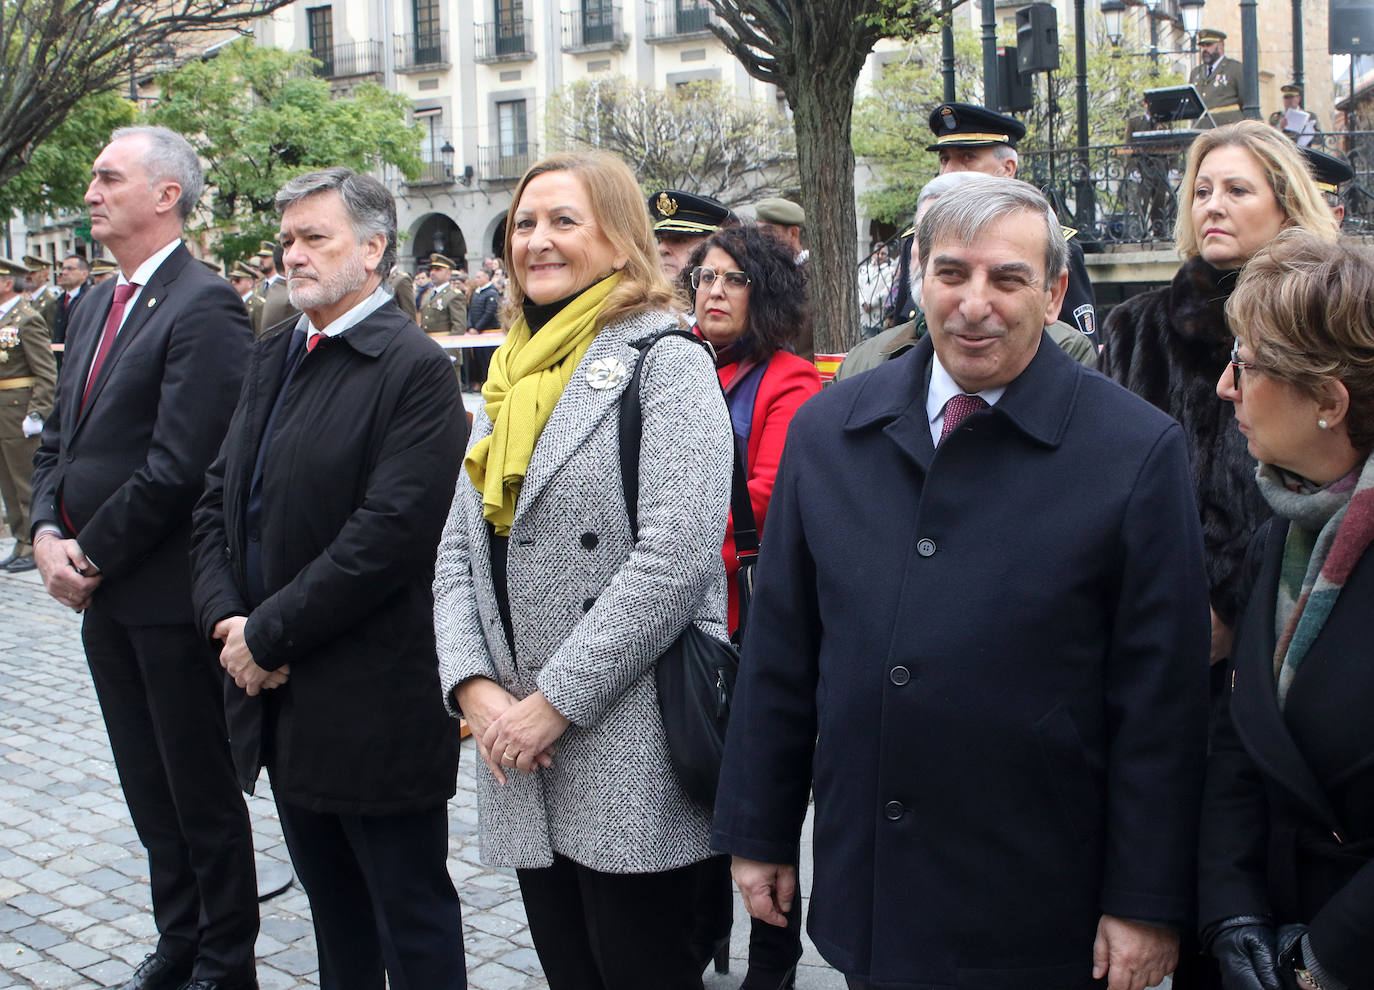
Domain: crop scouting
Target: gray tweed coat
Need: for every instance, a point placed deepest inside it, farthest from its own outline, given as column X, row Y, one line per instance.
column 591, row 612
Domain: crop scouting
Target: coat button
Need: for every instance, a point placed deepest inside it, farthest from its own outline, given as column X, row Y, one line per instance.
column 893, row 810
column 589, row 541
column 926, row 548
column 900, row 675
column 587, row 604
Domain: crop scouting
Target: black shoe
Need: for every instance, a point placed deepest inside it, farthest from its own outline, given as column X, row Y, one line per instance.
column 157, row 972
column 759, row 980
column 20, row 565
column 717, row 952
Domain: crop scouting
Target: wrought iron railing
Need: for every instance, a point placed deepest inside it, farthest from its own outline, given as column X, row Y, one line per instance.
column 592, row 25
column 361, row 58
column 499, row 164
column 415, row 51
column 669, row 20
column 501, row 41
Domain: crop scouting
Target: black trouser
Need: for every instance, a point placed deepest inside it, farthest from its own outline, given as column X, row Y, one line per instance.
column 380, row 896
column 611, row 931
column 161, row 692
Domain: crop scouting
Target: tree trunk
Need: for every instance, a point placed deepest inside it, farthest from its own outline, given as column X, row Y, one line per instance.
column 822, row 110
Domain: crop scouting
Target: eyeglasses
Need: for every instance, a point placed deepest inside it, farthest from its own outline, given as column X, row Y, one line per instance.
column 704, row 278
column 1237, row 365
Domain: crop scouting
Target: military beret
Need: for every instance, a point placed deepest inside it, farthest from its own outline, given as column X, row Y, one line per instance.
column 675, row 211
column 964, row 125
column 1290, row 89
column 35, row 263
column 242, row 269
column 780, row 211
column 1208, row 35
column 437, row 260
column 15, row 269
column 1327, row 170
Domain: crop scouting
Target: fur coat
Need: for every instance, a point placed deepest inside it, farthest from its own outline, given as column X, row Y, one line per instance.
column 1169, row 346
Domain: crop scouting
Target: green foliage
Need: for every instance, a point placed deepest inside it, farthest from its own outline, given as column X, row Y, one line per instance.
column 260, row 116
column 59, row 170
column 701, row 137
column 906, row 19
column 891, row 124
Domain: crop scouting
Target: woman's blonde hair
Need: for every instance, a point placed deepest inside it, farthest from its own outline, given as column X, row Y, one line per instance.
column 619, row 210
column 1283, row 165
column 1305, row 307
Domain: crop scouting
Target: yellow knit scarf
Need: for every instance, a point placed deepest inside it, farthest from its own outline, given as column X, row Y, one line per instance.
column 527, row 377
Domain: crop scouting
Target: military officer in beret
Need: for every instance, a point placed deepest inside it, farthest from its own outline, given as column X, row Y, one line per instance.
column 970, row 138
column 28, row 380
column 1330, row 174
column 784, row 220
column 446, row 307
column 682, row 220
column 42, row 295
column 244, row 278
column 1218, row 79
column 1295, row 122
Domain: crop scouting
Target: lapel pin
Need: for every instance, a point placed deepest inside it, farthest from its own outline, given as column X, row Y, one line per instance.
column 606, row 373
column 151, row 303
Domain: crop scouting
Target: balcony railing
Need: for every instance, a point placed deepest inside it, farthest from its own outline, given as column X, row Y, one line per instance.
column 433, row 174
column 361, row 58
column 505, row 41
column 668, row 21
column 426, row 50
column 503, row 164
column 592, row 29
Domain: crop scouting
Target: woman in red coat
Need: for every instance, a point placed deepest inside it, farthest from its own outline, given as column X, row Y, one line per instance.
column 749, row 299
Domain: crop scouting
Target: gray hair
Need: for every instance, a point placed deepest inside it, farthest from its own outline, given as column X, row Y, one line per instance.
column 370, row 205
column 981, row 204
column 170, row 157
column 1005, row 152
column 937, row 187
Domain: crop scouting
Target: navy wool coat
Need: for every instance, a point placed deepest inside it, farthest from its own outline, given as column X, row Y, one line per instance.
column 998, row 651
column 356, row 485
column 1288, row 814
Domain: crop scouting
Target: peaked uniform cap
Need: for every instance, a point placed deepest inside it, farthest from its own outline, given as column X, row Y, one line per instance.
column 966, row 125
column 1327, row 170
column 35, row 263
column 672, row 210
column 1208, row 35
column 8, row 267
column 437, row 260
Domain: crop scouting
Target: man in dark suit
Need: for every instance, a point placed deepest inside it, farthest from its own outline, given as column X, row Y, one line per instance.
column 1004, row 712
column 155, row 366
column 314, row 556
column 73, row 279
column 484, row 313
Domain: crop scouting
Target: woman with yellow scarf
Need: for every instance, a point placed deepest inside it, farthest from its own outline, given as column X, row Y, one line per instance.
column 551, row 614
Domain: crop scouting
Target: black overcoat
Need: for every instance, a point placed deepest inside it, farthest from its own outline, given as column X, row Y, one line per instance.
column 1169, row 346
column 1288, row 812
column 998, row 652
column 356, row 485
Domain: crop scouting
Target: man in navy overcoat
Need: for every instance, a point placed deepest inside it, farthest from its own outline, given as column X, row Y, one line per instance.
column 981, row 634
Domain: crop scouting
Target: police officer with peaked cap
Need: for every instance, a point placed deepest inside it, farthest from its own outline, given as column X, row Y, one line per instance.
column 1330, row 174
column 681, row 220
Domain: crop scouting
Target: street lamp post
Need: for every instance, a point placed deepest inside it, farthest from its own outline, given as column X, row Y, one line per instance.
column 1249, row 44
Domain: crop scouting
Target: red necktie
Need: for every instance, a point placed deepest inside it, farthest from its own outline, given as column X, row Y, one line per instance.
column 957, row 410
column 313, row 342
column 112, row 321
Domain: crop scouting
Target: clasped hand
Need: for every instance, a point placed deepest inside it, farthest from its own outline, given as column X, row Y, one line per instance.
column 237, row 659
column 510, row 734
column 67, row 575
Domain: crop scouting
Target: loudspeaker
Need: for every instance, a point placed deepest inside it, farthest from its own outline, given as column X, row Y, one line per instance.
column 1037, row 38
column 1014, row 90
column 1350, row 28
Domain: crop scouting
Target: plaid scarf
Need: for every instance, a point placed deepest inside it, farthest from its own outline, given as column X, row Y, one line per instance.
column 1329, row 529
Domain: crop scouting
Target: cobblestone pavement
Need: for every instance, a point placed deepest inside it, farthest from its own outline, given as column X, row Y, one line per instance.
column 74, row 909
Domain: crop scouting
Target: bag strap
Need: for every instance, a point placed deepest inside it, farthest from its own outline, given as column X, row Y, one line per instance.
column 631, row 434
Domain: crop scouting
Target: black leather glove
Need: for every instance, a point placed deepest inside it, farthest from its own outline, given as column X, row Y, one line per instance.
column 1244, row 947
column 1288, row 953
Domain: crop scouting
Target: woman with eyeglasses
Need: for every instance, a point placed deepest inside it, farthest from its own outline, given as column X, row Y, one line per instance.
column 749, row 299
column 1286, row 868
column 1244, row 183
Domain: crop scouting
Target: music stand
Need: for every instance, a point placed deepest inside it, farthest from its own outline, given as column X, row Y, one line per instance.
column 1171, row 104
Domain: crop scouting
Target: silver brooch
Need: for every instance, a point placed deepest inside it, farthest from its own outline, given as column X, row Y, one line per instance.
column 606, row 373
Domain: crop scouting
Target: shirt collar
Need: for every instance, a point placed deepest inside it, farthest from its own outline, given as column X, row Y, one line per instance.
column 5, row 307
column 354, row 316
column 943, row 388
column 145, row 271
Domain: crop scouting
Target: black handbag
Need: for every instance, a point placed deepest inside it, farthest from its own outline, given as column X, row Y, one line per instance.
column 695, row 676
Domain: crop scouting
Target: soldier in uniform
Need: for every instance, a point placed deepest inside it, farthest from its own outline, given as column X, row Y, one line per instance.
column 446, row 307
column 101, row 270
column 784, row 220
column 1303, row 133
column 244, row 278
column 402, row 288
column 970, row 138
column 42, row 295
column 1218, row 79
column 1330, row 173
column 28, row 380
column 276, row 297
column 682, row 221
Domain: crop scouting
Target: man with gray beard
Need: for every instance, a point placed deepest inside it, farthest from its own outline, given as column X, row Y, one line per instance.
column 313, row 556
